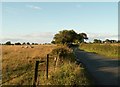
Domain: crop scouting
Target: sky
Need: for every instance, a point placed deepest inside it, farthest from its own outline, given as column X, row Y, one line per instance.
column 39, row 21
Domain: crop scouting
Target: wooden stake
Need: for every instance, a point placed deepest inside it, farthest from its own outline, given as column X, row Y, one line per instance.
column 47, row 64
column 36, row 74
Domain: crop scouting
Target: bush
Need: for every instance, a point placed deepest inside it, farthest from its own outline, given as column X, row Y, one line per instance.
column 64, row 53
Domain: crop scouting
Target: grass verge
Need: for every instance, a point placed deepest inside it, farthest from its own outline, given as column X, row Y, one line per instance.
column 107, row 50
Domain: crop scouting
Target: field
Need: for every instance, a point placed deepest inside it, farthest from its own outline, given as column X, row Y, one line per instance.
column 17, row 60
column 108, row 50
column 18, row 65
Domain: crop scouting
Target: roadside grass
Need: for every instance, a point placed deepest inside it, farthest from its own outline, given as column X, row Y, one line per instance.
column 67, row 74
column 108, row 50
column 18, row 65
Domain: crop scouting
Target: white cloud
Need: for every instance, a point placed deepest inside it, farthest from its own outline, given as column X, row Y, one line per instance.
column 102, row 36
column 34, row 7
column 41, row 37
column 46, row 37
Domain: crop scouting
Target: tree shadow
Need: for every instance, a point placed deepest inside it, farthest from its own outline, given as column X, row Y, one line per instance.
column 104, row 70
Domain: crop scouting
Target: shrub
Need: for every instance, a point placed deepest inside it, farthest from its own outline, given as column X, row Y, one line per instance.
column 64, row 53
column 68, row 74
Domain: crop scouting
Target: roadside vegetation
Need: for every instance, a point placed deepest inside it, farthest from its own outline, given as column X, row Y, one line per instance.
column 18, row 65
column 66, row 71
column 108, row 50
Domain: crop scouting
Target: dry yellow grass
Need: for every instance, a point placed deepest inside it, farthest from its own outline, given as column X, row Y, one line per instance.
column 17, row 60
column 18, row 65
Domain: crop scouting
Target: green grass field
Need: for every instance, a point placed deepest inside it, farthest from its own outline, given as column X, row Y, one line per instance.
column 18, row 65
column 108, row 50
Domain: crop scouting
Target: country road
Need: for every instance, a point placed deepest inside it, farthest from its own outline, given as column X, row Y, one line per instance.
column 104, row 71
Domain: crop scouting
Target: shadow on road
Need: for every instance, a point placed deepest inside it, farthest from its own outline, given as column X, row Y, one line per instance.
column 103, row 70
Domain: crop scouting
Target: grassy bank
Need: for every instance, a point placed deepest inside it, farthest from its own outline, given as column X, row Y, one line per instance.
column 18, row 66
column 108, row 50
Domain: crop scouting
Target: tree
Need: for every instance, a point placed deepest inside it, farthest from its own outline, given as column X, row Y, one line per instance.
column 65, row 36
column 97, row 41
column 113, row 41
column 18, row 43
column 28, row 43
column 107, row 41
column 81, row 37
column 33, row 43
column 23, row 43
column 118, row 41
column 8, row 43
column 68, row 37
column 53, row 42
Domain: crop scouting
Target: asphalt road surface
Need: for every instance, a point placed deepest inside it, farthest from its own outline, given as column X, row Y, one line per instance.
column 104, row 71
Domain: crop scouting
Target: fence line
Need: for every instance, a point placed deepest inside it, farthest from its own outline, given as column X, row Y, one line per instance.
column 36, row 70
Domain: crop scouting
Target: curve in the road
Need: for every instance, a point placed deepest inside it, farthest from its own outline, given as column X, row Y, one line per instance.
column 103, row 70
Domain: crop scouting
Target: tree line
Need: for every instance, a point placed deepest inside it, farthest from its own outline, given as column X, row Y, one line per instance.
column 18, row 43
column 105, row 41
column 67, row 37
column 70, row 37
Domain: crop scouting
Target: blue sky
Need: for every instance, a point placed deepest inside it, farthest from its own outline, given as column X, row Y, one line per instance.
column 39, row 21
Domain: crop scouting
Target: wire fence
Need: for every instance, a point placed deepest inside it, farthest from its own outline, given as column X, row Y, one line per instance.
column 30, row 73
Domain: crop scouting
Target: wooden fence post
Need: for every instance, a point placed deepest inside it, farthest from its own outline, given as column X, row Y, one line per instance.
column 36, row 73
column 47, row 64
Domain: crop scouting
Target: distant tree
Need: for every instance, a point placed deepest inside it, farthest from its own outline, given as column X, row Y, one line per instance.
column 97, row 41
column 53, row 42
column 28, row 43
column 107, row 41
column 8, row 43
column 118, row 41
column 23, row 43
column 35, row 43
column 12, row 44
column 68, row 37
column 110, row 41
column 113, row 41
column 18, row 43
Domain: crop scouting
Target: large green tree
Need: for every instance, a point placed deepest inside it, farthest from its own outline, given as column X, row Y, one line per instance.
column 68, row 37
